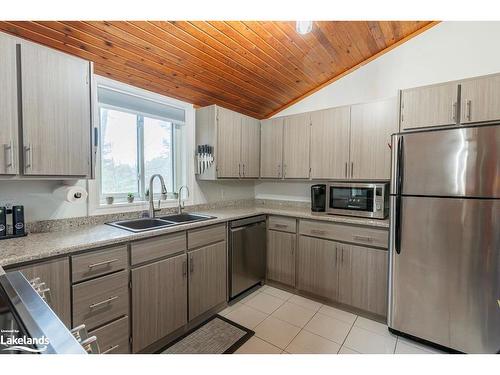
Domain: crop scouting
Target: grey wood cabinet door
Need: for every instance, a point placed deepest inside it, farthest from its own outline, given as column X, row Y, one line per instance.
column 281, row 252
column 363, row 278
column 207, row 278
column 229, row 143
column 159, row 300
column 371, row 127
column 250, row 147
column 427, row 106
column 56, row 113
column 296, row 142
column 317, row 269
column 55, row 275
column 9, row 148
column 271, row 148
column 480, row 100
column 330, row 143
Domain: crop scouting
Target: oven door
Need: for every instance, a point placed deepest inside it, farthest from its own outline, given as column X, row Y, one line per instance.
column 352, row 200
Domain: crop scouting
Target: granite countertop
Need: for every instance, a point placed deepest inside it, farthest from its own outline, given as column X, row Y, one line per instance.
column 42, row 245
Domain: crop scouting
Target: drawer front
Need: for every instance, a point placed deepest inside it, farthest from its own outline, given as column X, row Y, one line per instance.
column 204, row 236
column 348, row 233
column 113, row 338
column 99, row 301
column 98, row 263
column 158, row 247
column 285, row 224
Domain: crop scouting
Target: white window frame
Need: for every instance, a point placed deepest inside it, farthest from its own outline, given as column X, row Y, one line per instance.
column 95, row 204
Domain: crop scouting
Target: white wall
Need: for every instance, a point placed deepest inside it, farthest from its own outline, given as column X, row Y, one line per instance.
column 446, row 52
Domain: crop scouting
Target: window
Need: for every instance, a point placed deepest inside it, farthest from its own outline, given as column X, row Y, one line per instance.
column 139, row 138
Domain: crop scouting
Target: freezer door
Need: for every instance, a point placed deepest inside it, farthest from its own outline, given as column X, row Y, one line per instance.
column 451, row 162
column 444, row 284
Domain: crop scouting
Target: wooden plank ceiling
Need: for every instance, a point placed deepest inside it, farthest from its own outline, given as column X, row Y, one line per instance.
column 256, row 68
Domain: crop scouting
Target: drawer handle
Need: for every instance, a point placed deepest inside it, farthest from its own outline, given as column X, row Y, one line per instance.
column 317, row 231
column 97, row 304
column 110, row 349
column 281, row 225
column 103, row 263
column 363, row 238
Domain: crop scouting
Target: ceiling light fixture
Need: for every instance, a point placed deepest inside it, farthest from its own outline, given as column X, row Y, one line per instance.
column 304, row 27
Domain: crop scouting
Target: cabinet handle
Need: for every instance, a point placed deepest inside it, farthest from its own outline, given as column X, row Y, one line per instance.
column 184, row 268
column 363, row 238
column 284, row 170
column 281, row 225
column 279, row 170
column 342, row 256
column 243, row 169
column 105, row 302
column 114, row 347
column 239, row 170
column 293, row 248
column 106, row 262
column 345, row 169
column 454, row 111
column 191, row 265
column 352, row 169
column 9, row 150
column 317, row 231
column 28, row 153
column 469, row 115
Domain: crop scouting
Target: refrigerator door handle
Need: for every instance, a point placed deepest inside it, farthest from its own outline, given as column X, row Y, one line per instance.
column 400, row 166
column 399, row 191
column 397, row 222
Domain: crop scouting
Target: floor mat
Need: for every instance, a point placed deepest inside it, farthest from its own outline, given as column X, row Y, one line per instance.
column 217, row 335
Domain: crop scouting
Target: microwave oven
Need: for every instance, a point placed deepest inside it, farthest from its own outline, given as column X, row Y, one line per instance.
column 352, row 199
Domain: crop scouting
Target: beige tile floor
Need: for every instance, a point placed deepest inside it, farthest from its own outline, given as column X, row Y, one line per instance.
column 286, row 323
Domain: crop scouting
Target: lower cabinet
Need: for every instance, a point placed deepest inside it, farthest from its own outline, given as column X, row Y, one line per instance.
column 159, row 302
column 55, row 274
column 113, row 338
column 207, row 278
column 317, row 267
column 349, row 274
column 281, row 251
column 363, row 278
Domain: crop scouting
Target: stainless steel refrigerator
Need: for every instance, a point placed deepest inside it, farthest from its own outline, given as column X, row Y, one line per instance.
column 444, row 247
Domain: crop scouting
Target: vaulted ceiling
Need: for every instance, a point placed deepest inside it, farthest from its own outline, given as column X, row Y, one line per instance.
column 257, row 68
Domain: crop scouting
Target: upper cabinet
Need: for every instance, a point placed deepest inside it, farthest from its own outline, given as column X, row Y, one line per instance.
column 45, row 112
column 271, row 148
column 330, row 143
column 371, row 127
column 55, row 113
column 296, row 145
column 9, row 164
column 434, row 105
column 250, row 147
column 228, row 143
column 480, row 99
column 235, row 139
column 439, row 105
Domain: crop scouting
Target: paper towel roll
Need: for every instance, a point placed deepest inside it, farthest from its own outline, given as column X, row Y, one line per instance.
column 71, row 194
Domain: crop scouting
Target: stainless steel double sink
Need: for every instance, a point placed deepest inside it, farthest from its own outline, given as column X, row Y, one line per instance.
column 145, row 224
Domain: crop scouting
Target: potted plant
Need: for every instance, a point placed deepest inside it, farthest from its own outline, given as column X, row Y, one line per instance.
column 110, row 200
column 130, row 197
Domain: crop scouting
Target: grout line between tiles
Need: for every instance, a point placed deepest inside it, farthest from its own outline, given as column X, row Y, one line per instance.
column 302, row 329
column 346, row 336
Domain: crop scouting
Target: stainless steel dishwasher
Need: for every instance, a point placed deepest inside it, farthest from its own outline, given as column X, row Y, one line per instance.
column 247, row 254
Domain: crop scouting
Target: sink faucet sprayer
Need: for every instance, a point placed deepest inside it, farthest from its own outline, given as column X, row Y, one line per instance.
column 181, row 206
column 152, row 208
